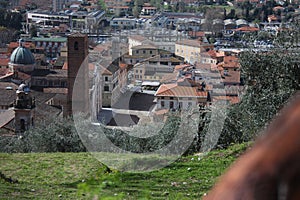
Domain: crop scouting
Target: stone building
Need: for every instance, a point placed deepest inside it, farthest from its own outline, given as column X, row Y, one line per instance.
column 24, row 109
column 77, row 100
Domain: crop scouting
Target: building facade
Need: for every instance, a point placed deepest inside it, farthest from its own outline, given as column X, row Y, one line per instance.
column 78, row 79
column 191, row 50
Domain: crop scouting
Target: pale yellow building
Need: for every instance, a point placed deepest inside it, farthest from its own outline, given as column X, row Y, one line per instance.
column 191, row 50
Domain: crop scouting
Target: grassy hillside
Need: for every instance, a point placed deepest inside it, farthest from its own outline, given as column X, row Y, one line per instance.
column 80, row 176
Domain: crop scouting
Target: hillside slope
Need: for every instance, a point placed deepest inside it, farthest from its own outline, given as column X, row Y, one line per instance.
column 80, row 176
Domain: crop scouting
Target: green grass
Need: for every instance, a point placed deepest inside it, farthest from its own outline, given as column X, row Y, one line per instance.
column 80, row 176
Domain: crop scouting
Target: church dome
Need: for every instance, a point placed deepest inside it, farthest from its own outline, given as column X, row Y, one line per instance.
column 22, row 55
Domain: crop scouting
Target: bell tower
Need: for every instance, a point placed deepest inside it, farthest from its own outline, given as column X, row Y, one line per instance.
column 78, row 88
column 24, row 109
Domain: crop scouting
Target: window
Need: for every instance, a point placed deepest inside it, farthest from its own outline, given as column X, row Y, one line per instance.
column 106, row 88
column 150, row 52
column 76, row 45
column 144, row 51
column 171, row 97
column 171, row 104
column 106, row 78
column 162, row 104
column 180, row 105
column 137, row 51
column 141, row 71
column 22, row 125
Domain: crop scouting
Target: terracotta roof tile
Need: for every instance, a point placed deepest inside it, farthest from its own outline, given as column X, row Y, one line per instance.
column 247, row 29
column 233, row 77
column 56, row 90
column 194, row 43
column 196, row 33
column 230, row 62
column 6, row 117
column 169, row 78
column 180, row 67
column 7, row 97
column 123, row 66
column 137, row 37
column 232, row 100
column 173, row 90
column 4, row 61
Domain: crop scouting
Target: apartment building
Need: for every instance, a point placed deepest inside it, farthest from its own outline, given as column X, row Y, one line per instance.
column 191, row 50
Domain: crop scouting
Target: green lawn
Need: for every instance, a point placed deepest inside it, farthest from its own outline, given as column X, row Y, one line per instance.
column 80, row 176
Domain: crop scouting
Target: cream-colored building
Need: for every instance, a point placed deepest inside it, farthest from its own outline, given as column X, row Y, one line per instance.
column 179, row 96
column 191, row 50
column 155, row 68
column 136, row 40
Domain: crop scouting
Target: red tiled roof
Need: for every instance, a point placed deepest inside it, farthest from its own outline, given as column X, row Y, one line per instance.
column 232, row 100
column 137, row 37
column 173, row 90
column 105, row 71
column 123, row 66
column 247, row 29
column 196, row 33
column 23, row 76
column 14, row 45
column 6, row 117
column 3, row 71
column 4, row 61
column 149, row 7
column 193, row 43
column 212, row 53
column 56, row 90
column 233, row 77
column 124, row 7
column 180, row 67
column 203, row 66
column 230, row 62
column 172, row 77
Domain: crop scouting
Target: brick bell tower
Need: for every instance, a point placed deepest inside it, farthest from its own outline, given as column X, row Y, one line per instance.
column 24, row 109
column 78, row 88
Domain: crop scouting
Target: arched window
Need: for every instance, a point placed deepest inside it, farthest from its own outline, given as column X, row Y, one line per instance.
column 76, row 45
